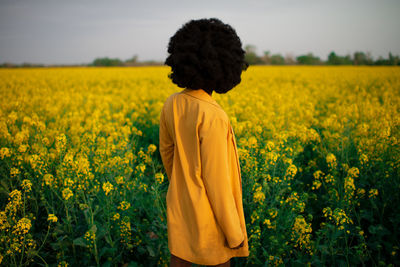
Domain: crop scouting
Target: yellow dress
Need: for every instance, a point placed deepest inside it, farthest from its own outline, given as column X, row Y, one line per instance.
column 205, row 218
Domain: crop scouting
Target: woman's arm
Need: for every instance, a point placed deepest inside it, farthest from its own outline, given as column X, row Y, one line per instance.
column 215, row 170
column 166, row 146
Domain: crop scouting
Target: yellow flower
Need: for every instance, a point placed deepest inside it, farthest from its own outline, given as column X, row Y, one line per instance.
column 151, row 148
column 271, row 158
column 271, row 258
column 141, row 167
column 353, row 172
column 61, row 141
column 15, row 201
column 124, row 205
column 259, row 197
column 301, row 233
column 107, row 187
column 159, row 177
column 119, row 179
column 45, row 141
column 4, row 153
column 291, row 171
column 67, row 193
column 349, row 185
column 26, row 185
column 373, row 193
column 318, row 174
column 269, row 146
column 331, row 160
column 316, row 185
column 14, row 172
column 52, row 218
column 48, row 179
column 22, row 148
column 116, row 216
column 254, row 216
column 22, row 227
column 273, row 212
column 363, row 159
column 62, row 264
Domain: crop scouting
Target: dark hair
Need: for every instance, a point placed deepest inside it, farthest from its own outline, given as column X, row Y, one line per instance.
column 206, row 54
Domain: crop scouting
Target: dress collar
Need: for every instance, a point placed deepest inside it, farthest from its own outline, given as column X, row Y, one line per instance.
column 201, row 94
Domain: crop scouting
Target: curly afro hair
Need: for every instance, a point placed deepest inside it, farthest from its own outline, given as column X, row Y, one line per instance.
column 206, row 54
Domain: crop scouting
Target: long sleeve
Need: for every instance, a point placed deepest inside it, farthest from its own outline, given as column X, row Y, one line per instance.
column 215, row 169
column 166, row 146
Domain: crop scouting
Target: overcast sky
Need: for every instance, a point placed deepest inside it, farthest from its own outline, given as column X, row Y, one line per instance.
column 74, row 32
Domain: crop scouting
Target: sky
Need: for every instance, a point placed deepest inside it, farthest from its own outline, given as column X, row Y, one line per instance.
column 78, row 31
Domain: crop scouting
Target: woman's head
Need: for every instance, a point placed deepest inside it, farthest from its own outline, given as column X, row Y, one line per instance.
column 206, row 54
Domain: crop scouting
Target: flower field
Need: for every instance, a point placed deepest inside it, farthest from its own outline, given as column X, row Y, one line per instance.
column 81, row 178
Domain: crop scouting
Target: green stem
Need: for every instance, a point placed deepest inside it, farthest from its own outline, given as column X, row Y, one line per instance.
column 44, row 241
column 23, row 243
column 42, row 260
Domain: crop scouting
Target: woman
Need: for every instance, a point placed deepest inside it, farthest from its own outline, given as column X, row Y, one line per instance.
column 205, row 218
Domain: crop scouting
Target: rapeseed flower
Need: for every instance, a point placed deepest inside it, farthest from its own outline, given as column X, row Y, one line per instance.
column 52, row 218
column 107, row 187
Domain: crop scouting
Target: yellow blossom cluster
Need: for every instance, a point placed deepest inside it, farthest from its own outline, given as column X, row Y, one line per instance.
column 125, row 230
column 338, row 216
column 258, row 196
column 331, row 161
column 301, row 233
column 372, row 193
column 124, row 205
column 294, row 201
column 26, row 185
column 159, row 177
column 52, row 218
column 107, row 187
column 90, row 237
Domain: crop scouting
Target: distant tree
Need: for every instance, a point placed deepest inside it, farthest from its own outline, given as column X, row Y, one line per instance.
column 107, row 62
column 277, row 59
column 334, row 59
column 289, row 59
column 132, row 61
column 308, row 59
column 266, row 58
column 360, row 58
column 8, row 65
column 393, row 60
column 251, row 55
column 381, row 61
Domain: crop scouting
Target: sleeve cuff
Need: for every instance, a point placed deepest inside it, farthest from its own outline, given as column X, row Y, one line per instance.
column 235, row 243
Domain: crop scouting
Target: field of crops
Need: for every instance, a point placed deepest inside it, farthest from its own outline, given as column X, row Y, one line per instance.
column 81, row 178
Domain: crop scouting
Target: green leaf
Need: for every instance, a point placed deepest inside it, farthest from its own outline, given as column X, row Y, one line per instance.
column 108, row 239
column 107, row 252
column 101, row 232
column 79, row 242
column 133, row 264
column 93, row 229
column 151, row 251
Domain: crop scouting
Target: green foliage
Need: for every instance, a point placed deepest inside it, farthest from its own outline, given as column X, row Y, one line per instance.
column 251, row 56
column 334, row 59
column 107, row 62
column 360, row 58
column 308, row 59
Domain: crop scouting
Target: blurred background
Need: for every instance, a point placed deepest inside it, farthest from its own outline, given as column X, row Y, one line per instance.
column 46, row 32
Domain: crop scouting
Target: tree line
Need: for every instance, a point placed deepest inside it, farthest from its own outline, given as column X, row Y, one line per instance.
column 358, row 58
